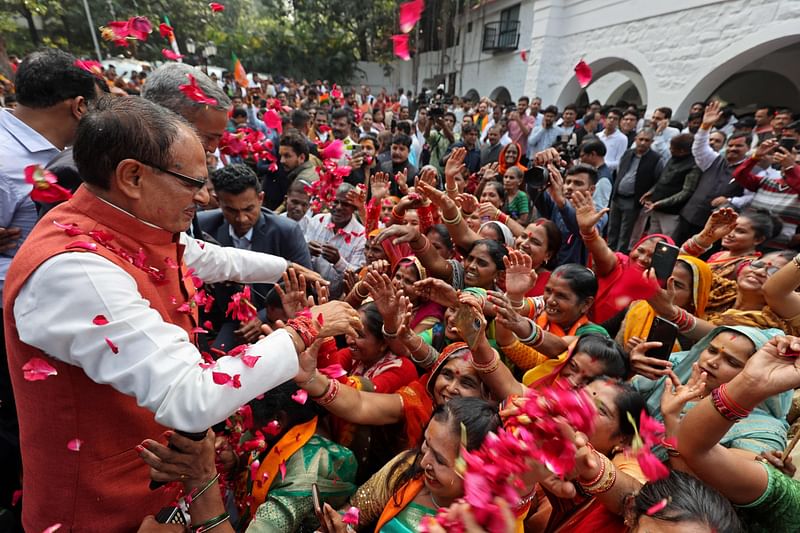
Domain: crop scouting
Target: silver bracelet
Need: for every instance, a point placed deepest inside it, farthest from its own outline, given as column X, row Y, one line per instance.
column 387, row 334
column 534, row 332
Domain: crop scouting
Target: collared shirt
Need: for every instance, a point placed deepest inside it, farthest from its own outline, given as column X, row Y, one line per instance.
column 245, row 242
column 160, row 365
column 20, row 146
column 517, row 135
column 351, row 254
column 662, row 140
column 628, row 181
column 303, row 222
column 542, row 138
column 616, row 144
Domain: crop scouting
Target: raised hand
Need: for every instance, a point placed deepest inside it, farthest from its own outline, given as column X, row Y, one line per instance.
column 399, row 233
column 379, row 185
column 677, row 395
column 487, row 210
column 293, row 297
column 469, row 204
column 520, row 275
column 773, row 369
column 712, row 114
column 506, row 316
column 556, row 186
column 382, row 291
column 437, row 197
column 585, row 212
column 720, row 223
column 336, row 318
column 649, row 367
column 428, row 175
column 547, row 157
column 357, row 197
column 401, row 178
column 765, row 148
column 455, row 165
column 438, row 291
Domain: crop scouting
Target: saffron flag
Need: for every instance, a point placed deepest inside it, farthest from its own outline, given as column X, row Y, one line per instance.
column 239, row 73
column 170, row 36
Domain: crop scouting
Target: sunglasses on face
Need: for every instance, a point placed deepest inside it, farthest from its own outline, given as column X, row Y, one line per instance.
column 761, row 265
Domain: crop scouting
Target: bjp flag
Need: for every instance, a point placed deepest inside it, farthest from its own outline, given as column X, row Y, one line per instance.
column 239, row 73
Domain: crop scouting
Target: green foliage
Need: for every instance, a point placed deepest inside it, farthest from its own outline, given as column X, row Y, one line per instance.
column 302, row 38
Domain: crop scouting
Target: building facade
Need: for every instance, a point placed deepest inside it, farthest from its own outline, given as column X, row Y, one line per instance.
column 642, row 51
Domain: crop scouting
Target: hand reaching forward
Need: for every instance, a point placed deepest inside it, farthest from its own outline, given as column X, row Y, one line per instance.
column 585, row 212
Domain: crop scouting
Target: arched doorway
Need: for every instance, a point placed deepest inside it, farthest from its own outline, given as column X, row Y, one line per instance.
column 472, row 95
column 615, row 77
column 500, row 96
column 737, row 77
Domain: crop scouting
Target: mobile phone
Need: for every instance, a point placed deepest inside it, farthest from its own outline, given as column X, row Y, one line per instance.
column 193, row 436
column 468, row 326
column 316, row 501
column 666, row 333
column 171, row 515
column 663, row 261
column 788, row 142
column 396, row 252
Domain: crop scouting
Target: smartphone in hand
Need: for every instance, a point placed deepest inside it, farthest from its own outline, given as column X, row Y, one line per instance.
column 663, row 261
column 666, row 333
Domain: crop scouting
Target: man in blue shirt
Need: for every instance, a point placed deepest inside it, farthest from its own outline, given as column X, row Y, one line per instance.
column 554, row 203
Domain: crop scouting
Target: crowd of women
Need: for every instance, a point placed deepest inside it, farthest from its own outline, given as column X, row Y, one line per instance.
column 465, row 312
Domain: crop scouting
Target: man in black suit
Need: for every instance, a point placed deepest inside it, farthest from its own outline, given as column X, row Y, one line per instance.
column 243, row 223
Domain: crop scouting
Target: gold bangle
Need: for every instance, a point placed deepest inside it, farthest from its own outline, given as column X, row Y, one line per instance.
column 452, row 221
column 796, row 260
column 358, row 292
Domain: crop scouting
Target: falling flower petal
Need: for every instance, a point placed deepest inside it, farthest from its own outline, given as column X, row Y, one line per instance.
column 221, row 378
column 52, row 528
column 139, row 28
column 82, row 245
column 351, row 516
column 652, row 467
column 100, row 320
column 208, row 325
column 94, row 68
column 273, row 120
column 282, row 468
column 584, row 73
column 410, row 13
column 75, row 445
column 114, row 347
column 37, row 369
column 524, row 55
column 165, row 29
column 169, row 54
column 70, row 229
column 195, row 93
column 15, row 497
column 300, row 396
column 254, row 467
column 273, row 428
column 249, row 360
column 400, row 43
column 45, row 185
column 216, row 8
column 334, row 371
column 240, row 307
column 657, row 507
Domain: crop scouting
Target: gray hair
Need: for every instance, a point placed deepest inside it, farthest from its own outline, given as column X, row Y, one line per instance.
column 162, row 87
column 649, row 132
column 125, row 128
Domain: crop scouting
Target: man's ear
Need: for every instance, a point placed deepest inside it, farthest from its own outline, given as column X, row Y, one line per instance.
column 261, row 198
column 78, row 107
column 127, row 178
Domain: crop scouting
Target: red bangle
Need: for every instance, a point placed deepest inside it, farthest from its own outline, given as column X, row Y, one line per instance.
column 304, row 327
column 502, row 218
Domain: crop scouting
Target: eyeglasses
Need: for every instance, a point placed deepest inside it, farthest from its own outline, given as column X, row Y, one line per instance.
column 759, row 265
column 194, row 182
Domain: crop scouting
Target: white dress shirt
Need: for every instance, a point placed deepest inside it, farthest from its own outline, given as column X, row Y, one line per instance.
column 616, row 144
column 157, row 363
column 351, row 254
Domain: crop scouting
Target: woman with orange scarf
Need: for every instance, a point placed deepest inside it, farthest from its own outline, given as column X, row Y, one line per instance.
column 417, row 482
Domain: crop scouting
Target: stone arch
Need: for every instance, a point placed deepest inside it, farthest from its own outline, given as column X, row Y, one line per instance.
column 500, row 96
column 749, row 87
column 627, row 62
column 748, row 50
column 472, row 95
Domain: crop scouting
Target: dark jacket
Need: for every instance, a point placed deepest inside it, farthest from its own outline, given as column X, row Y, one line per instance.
column 676, row 184
column 490, row 153
column 646, row 173
column 272, row 234
column 473, row 158
column 717, row 180
column 390, row 168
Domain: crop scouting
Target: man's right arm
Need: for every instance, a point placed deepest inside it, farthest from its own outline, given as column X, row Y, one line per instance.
column 703, row 154
column 157, row 364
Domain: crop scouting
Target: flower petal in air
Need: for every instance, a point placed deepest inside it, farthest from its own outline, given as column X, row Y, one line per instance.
column 273, row 120
column 75, row 445
column 195, row 93
column 37, row 369
column 351, row 516
column 400, row 43
column 165, row 29
column 273, row 428
column 583, row 73
column 300, row 396
column 334, row 150
column 333, row 371
column 169, row 54
column 410, row 13
column 216, row 7
column 15, row 497
column 139, row 28
column 114, row 347
column 100, row 320
column 653, row 509
column 652, row 468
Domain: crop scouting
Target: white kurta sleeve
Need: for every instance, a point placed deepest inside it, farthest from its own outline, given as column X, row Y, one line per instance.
column 214, row 263
column 156, row 362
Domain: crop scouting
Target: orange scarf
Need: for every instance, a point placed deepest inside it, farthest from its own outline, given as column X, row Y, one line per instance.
column 280, row 452
column 407, row 493
column 544, row 322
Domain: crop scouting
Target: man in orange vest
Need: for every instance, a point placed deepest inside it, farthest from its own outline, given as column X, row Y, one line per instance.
column 101, row 311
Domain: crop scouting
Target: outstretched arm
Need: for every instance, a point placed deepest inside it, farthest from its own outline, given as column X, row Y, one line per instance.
column 605, row 261
column 779, row 290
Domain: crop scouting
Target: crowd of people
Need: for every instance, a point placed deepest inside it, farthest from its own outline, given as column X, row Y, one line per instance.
column 291, row 306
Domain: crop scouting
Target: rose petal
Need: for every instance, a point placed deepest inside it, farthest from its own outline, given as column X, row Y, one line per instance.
column 333, row 371
column 583, row 73
column 249, row 360
column 37, row 369
column 351, row 516
column 273, row 428
column 216, row 7
column 100, row 320
column 114, row 347
column 657, row 507
column 74, row 445
column 82, row 245
column 300, row 396
column 282, row 468
column 15, row 497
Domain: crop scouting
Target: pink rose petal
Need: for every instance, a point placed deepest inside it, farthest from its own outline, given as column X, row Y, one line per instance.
column 282, row 468
column 300, row 396
column 333, row 371
column 52, row 528
column 74, row 445
column 657, row 507
column 114, row 347
column 100, row 320
column 37, row 369
column 249, row 360
column 273, row 428
column 15, row 497
column 351, row 516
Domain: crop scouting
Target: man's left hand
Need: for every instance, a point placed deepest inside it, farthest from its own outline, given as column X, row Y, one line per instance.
column 330, row 254
column 310, row 275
